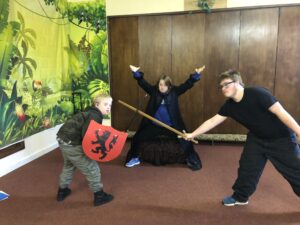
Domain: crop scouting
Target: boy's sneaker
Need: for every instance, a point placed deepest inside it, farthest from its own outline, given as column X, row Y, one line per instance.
column 100, row 198
column 133, row 162
column 62, row 194
column 230, row 201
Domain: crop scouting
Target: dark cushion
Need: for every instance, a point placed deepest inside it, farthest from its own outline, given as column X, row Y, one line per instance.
column 161, row 151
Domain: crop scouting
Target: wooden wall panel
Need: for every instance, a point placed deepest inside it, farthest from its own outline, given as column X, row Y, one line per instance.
column 222, row 32
column 243, row 39
column 154, row 50
column 258, row 46
column 287, row 81
column 187, row 54
column 124, row 47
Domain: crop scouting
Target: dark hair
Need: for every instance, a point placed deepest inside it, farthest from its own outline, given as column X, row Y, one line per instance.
column 231, row 74
column 166, row 79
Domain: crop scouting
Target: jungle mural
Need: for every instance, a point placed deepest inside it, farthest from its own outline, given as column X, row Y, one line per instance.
column 53, row 59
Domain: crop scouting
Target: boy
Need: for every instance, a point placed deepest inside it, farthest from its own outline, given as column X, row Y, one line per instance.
column 271, row 135
column 69, row 137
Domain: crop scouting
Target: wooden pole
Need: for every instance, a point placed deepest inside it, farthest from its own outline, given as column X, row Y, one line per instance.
column 155, row 120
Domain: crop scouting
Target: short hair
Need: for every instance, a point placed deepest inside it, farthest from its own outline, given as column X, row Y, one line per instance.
column 99, row 97
column 166, row 79
column 231, row 74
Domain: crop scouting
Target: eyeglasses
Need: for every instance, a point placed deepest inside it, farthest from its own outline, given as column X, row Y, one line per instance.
column 225, row 85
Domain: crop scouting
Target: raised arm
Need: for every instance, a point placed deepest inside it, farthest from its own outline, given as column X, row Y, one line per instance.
column 190, row 81
column 200, row 69
column 206, row 126
column 134, row 68
column 286, row 118
column 138, row 75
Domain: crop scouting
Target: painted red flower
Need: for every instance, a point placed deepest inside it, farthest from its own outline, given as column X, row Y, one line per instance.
column 20, row 112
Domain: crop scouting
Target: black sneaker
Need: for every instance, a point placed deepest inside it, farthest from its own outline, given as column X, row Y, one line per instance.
column 194, row 165
column 100, row 198
column 193, row 161
column 62, row 194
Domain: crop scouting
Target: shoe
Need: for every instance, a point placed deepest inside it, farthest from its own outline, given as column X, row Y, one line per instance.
column 230, row 201
column 194, row 165
column 133, row 162
column 62, row 194
column 100, row 198
column 193, row 161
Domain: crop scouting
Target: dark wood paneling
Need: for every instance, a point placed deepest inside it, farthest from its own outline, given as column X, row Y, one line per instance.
column 154, row 50
column 11, row 149
column 124, row 48
column 222, row 31
column 258, row 45
column 247, row 40
column 287, row 81
column 187, row 54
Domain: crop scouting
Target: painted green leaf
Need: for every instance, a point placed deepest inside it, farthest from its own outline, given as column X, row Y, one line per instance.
column 6, row 47
column 78, row 62
column 14, row 92
column 4, row 11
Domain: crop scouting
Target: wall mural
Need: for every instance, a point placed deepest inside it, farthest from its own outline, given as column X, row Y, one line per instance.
column 53, row 59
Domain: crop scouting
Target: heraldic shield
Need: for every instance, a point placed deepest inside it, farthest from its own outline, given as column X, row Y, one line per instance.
column 103, row 143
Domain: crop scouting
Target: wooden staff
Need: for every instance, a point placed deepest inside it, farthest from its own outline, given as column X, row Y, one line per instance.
column 155, row 120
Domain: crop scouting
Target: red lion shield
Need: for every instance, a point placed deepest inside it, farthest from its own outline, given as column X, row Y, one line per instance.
column 103, row 143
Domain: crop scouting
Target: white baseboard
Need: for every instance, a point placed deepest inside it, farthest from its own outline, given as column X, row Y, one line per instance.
column 23, row 161
column 36, row 146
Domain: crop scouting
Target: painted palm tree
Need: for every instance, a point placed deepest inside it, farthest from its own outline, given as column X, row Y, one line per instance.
column 24, row 61
column 98, row 86
column 25, row 34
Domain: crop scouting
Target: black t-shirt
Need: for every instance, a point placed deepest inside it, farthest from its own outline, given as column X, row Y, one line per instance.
column 253, row 112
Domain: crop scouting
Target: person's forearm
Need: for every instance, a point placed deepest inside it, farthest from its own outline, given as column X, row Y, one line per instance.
column 285, row 117
column 206, row 126
column 290, row 122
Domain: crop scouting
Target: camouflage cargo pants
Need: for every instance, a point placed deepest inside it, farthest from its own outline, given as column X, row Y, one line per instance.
column 74, row 157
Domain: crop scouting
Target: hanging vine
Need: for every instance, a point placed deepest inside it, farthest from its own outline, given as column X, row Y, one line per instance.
column 89, row 15
column 206, row 5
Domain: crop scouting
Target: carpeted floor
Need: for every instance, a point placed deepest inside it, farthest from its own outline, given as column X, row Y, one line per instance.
column 148, row 195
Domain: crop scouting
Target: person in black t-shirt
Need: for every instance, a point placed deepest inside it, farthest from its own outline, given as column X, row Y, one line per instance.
column 273, row 135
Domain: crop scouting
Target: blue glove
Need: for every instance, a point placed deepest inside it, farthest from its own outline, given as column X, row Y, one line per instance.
column 137, row 74
column 196, row 76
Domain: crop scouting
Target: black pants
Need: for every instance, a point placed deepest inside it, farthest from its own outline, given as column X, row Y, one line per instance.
column 152, row 131
column 284, row 154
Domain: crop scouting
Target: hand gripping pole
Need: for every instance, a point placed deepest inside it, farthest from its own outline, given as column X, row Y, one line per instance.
column 155, row 120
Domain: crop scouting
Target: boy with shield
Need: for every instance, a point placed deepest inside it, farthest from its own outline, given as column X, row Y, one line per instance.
column 70, row 137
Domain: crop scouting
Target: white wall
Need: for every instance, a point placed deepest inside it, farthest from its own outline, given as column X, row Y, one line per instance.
column 35, row 146
column 128, row 7
column 239, row 3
